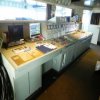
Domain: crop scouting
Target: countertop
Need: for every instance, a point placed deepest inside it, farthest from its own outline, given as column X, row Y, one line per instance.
column 18, row 58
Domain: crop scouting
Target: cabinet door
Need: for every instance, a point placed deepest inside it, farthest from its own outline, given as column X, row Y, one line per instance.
column 88, row 42
column 57, row 62
column 35, row 79
column 76, row 49
column 47, row 66
column 21, row 87
column 70, row 53
column 83, row 45
column 65, row 57
column 79, row 47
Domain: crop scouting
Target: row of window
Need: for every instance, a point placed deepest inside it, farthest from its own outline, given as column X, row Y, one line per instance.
column 27, row 10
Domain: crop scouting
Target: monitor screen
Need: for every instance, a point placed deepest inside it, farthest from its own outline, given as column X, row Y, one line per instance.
column 34, row 29
column 15, row 33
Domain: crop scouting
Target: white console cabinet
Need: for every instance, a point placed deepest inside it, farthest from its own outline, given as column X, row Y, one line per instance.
column 81, row 46
column 27, row 78
column 64, row 58
column 24, row 81
column 27, row 83
column 68, row 54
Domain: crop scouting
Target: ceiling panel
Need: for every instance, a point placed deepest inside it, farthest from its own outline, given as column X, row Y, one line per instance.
column 89, row 3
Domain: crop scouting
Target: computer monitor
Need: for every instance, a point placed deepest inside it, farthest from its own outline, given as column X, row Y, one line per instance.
column 34, row 29
column 15, row 33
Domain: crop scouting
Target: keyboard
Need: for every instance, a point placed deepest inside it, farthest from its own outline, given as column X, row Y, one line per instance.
column 44, row 49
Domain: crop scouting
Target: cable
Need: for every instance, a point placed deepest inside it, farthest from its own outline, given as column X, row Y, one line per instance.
column 6, row 87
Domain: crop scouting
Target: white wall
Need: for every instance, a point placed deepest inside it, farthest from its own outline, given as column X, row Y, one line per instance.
column 99, row 35
column 96, row 10
column 86, row 19
column 95, row 30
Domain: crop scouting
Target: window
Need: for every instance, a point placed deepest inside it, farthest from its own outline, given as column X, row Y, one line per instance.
column 95, row 18
column 62, row 11
column 22, row 10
